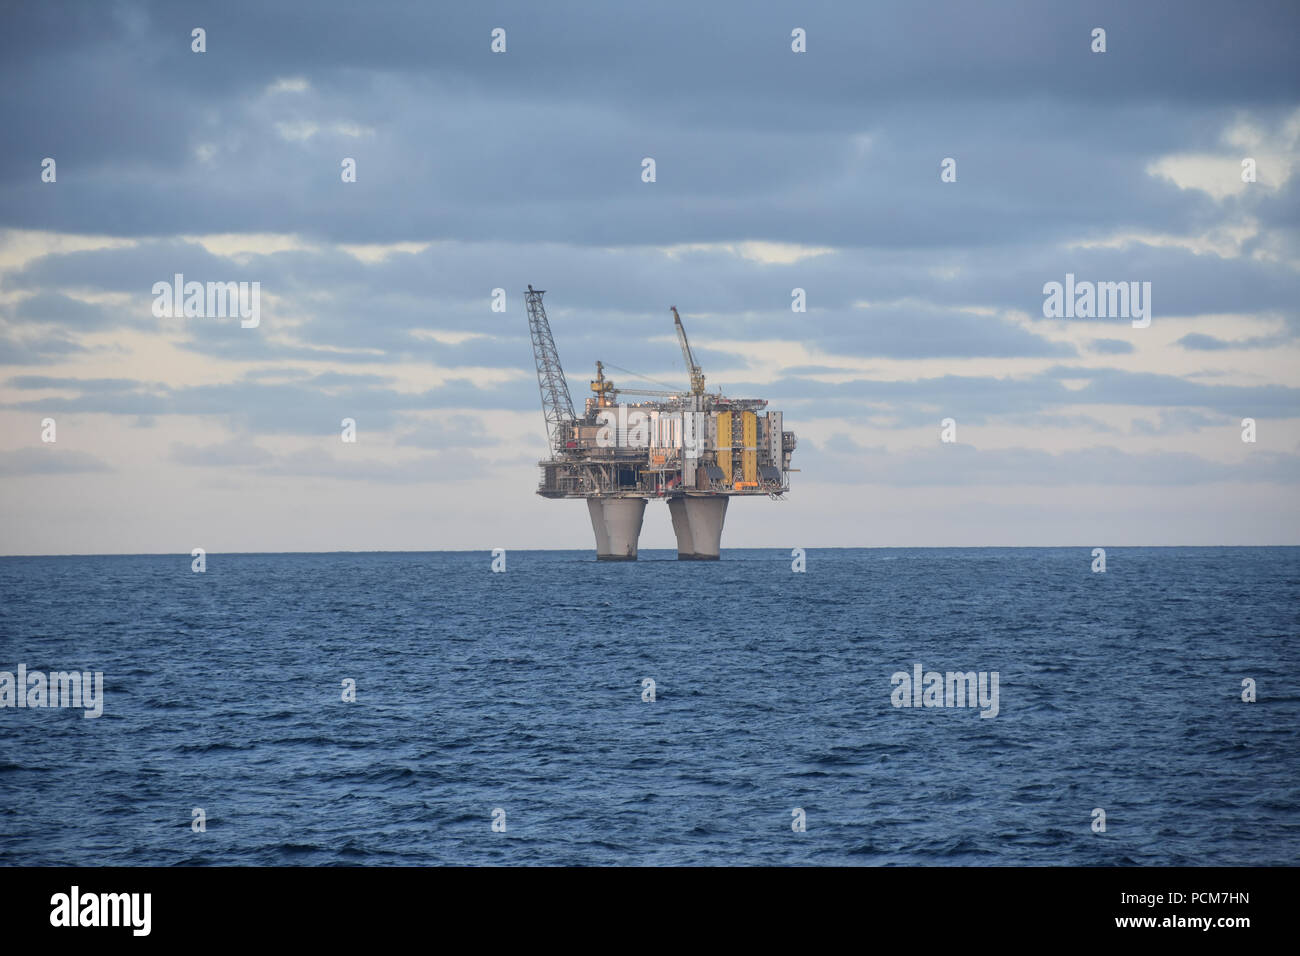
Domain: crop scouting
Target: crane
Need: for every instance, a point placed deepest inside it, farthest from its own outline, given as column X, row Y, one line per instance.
column 696, row 373
column 557, row 406
column 647, row 391
column 606, row 390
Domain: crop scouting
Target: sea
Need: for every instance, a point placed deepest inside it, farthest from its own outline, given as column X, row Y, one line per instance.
column 412, row 709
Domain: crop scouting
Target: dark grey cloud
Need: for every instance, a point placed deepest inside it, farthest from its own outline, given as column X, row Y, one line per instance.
column 544, row 143
column 52, row 308
column 525, row 167
column 1199, row 342
column 456, row 431
column 529, row 164
column 977, row 399
column 1110, row 347
column 44, row 348
column 1179, row 420
column 324, row 305
column 132, row 269
column 1049, row 420
column 259, row 408
column 49, row 460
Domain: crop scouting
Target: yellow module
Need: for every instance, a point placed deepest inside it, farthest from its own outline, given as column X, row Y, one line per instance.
column 724, row 445
column 749, row 457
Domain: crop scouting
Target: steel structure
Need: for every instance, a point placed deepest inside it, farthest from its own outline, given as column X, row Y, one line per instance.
column 557, row 406
column 694, row 449
column 692, row 367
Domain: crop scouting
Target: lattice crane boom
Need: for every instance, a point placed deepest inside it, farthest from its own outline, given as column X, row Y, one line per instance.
column 696, row 373
column 557, row 406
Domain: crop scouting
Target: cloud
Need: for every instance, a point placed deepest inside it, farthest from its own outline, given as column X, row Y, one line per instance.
column 1110, row 347
column 237, row 451
column 456, row 431
column 49, row 460
column 1245, row 143
column 544, row 143
column 429, row 469
column 1180, row 420
column 983, row 398
column 1199, row 342
column 258, row 408
column 964, row 464
column 775, row 171
column 52, row 308
column 40, row 348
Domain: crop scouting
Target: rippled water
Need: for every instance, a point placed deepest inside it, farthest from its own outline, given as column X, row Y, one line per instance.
column 523, row 691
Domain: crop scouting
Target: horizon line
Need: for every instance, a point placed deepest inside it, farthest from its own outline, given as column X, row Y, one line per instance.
column 670, row 549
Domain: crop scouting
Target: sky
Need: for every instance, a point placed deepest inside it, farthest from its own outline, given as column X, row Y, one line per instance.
column 774, row 170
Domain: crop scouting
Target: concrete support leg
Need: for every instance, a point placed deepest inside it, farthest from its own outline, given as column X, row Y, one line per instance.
column 596, row 510
column 617, row 523
column 681, row 528
column 698, row 523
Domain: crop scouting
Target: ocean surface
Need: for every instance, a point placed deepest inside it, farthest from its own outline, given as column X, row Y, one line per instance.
column 523, row 691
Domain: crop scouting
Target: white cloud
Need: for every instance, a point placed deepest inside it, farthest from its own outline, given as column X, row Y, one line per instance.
column 298, row 130
column 1218, row 174
column 377, row 252
column 20, row 246
column 1226, row 240
column 754, row 250
column 289, row 84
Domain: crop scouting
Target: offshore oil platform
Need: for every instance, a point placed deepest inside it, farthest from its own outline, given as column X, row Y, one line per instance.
column 692, row 448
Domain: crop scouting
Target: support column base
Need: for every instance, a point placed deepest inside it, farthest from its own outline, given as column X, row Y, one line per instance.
column 697, row 522
column 616, row 523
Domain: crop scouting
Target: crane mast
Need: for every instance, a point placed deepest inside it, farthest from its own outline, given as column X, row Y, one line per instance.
column 557, row 406
column 696, row 373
